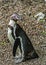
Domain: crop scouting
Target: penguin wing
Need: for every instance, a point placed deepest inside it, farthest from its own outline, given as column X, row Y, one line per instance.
column 16, row 43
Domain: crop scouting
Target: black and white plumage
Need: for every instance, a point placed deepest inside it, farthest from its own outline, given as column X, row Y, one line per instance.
column 19, row 39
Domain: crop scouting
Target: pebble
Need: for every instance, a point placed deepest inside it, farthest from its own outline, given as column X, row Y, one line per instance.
column 39, row 16
column 45, row 0
column 7, row 10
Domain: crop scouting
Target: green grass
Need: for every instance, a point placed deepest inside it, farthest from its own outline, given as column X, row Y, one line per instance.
column 44, row 33
column 41, row 20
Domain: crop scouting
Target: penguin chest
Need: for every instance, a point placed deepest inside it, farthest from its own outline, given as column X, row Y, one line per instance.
column 10, row 37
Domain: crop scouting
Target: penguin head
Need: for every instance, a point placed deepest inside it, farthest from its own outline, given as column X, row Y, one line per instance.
column 16, row 17
column 13, row 19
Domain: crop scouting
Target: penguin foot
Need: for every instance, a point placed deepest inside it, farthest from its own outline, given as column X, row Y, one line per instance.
column 17, row 57
column 19, row 60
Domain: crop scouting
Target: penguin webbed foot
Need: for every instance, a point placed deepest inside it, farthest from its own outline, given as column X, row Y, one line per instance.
column 18, row 59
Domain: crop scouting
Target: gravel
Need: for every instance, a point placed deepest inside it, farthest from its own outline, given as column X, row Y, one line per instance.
column 33, row 29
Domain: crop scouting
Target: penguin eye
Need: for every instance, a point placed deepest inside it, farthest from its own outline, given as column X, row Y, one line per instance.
column 10, row 27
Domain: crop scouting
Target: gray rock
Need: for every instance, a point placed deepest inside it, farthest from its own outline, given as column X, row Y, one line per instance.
column 39, row 16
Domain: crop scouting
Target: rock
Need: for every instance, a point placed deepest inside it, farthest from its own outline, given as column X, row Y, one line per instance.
column 39, row 16
column 45, row 0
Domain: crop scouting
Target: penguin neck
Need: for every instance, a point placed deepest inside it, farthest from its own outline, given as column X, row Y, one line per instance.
column 11, row 31
column 12, row 23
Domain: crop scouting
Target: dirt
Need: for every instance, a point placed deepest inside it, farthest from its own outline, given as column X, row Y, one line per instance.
column 35, row 30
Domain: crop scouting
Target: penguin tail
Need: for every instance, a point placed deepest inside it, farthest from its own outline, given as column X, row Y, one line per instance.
column 34, row 55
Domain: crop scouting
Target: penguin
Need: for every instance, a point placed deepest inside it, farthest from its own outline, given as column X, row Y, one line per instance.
column 19, row 39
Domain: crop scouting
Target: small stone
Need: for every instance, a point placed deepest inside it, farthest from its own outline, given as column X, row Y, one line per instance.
column 45, row 0
column 45, row 26
column 39, row 16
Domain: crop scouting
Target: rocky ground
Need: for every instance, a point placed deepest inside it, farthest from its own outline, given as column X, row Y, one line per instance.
column 35, row 30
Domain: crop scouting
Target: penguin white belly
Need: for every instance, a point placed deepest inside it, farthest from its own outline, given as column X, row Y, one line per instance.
column 12, row 41
column 10, row 36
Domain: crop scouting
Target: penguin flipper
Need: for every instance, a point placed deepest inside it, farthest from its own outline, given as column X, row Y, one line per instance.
column 16, row 43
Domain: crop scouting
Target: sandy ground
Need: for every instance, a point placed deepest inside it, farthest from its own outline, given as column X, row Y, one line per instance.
column 35, row 30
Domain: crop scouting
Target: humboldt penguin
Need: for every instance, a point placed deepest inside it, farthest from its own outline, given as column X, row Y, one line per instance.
column 19, row 39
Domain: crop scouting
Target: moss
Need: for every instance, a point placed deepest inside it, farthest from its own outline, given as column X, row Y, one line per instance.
column 41, row 20
column 43, row 33
column 3, row 43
